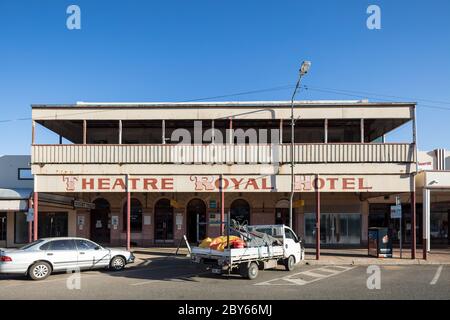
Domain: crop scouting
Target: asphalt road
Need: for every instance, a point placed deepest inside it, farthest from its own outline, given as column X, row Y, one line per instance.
column 178, row 278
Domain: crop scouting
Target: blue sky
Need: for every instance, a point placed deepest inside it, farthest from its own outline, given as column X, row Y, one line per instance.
column 183, row 50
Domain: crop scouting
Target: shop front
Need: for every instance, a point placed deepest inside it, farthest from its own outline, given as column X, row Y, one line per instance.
column 164, row 208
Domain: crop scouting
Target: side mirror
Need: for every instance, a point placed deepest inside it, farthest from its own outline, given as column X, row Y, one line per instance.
column 97, row 248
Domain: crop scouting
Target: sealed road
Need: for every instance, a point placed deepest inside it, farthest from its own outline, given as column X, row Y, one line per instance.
column 177, row 278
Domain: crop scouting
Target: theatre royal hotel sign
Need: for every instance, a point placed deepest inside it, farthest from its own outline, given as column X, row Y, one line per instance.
column 214, row 183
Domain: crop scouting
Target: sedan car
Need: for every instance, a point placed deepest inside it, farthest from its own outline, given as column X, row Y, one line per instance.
column 44, row 256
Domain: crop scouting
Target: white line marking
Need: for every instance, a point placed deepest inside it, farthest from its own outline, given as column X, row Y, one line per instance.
column 177, row 278
column 436, row 276
column 315, row 275
column 290, row 280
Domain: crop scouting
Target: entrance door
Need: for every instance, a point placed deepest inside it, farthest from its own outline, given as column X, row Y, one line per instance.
column 196, row 219
column 282, row 216
column 101, row 222
column 52, row 224
column 3, row 229
column 163, row 221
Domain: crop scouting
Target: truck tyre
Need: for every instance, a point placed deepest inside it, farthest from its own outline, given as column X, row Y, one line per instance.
column 39, row 270
column 252, row 271
column 289, row 263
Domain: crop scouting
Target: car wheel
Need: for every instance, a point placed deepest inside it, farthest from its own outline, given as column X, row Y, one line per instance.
column 289, row 263
column 40, row 271
column 117, row 263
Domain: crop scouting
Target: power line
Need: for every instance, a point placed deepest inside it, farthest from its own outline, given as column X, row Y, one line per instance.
column 349, row 93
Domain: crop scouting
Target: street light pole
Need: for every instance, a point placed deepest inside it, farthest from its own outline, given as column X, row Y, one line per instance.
column 303, row 70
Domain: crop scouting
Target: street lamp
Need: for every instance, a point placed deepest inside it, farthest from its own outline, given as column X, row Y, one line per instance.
column 303, row 70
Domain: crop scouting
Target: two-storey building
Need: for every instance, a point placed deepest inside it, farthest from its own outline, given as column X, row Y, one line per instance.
column 148, row 173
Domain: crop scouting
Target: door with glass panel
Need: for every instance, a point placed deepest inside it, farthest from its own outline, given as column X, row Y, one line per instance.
column 335, row 228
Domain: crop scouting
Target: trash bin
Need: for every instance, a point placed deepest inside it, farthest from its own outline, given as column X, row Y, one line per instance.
column 379, row 243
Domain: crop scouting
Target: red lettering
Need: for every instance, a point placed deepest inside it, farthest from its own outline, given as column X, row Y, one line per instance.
column 252, row 182
column 225, row 183
column 150, row 184
column 348, row 183
column 236, row 183
column 103, row 183
column 319, row 183
column 87, row 183
column 133, row 183
column 332, row 183
column 167, row 183
column 119, row 183
column 265, row 186
column 361, row 185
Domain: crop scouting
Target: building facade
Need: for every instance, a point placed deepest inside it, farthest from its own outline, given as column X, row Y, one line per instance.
column 16, row 187
column 171, row 169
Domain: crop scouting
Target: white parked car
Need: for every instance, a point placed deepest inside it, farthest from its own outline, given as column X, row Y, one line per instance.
column 44, row 256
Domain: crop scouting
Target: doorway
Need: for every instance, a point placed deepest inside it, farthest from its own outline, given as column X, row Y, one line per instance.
column 3, row 225
column 335, row 228
column 53, row 224
column 163, row 221
column 196, row 220
column 240, row 211
column 282, row 213
column 101, row 222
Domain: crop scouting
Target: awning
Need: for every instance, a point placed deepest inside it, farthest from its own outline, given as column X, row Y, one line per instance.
column 14, row 199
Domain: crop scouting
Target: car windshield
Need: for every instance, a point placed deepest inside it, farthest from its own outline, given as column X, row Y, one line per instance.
column 32, row 244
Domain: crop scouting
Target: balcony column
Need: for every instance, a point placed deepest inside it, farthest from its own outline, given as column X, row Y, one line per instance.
column 231, row 132
column 84, row 131
column 281, row 131
column 222, row 206
column 163, row 133
column 120, row 131
column 213, row 136
column 33, row 133
column 362, row 130
column 325, row 138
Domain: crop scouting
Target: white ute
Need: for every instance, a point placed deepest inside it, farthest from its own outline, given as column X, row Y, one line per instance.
column 44, row 256
column 267, row 247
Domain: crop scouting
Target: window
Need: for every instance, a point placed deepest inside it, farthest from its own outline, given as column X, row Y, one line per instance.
column 85, row 245
column 24, row 174
column 45, row 246
column 2, row 226
column 62, row 245
column 135, row 216
column 25, row 247
column 290, row 235
column 20, row 228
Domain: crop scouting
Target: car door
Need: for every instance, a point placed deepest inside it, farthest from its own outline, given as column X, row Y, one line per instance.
column 291, row 245
column 62, row 254
column 91, row 255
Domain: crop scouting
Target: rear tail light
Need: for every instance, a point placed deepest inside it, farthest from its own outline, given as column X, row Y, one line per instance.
column 5, row 259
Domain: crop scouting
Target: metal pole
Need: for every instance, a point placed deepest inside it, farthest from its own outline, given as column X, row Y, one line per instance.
column 291, row 199
column 401, row 236
column 426, row 210
column 35, row 218
column 222, row 205
column 317, row 218
column 128, row 219
column 30, row 224
column 413, row 224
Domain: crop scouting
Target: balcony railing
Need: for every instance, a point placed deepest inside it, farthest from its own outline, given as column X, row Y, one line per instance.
column 223, row 153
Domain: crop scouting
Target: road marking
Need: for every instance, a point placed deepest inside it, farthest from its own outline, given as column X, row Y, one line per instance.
column 436, row 276
column 177, row 278
column 293, row 279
